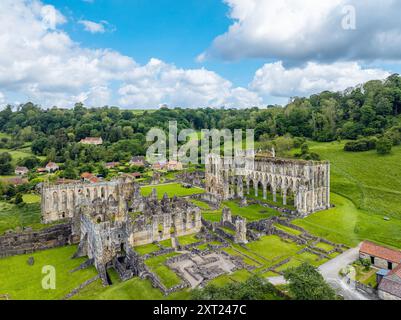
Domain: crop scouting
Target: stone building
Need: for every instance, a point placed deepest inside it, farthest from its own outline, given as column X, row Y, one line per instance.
column 95, row 141
column 379, row 256
column 112, row 217
column 308, row 182
column 390, row 286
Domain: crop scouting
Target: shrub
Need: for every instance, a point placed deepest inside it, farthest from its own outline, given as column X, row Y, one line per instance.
column 361, row 145
column 384, row 145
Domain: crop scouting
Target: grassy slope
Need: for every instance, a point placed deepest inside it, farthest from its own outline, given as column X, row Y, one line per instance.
column 12, row 216
column 371, row 181
column 366, row 187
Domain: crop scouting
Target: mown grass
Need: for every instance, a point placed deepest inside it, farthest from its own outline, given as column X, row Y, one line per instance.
column 134, row 289
column 349, row 225
column 186, row 240
column 31, row 198
column 24, row 282
column 370, row 180
column 147, row 248
column 167, row 276
column 172, row 189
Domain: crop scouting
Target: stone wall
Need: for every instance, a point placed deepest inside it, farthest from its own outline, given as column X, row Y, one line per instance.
column 31, row 241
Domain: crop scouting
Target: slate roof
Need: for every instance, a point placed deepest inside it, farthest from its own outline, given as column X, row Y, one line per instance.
column 392, row 282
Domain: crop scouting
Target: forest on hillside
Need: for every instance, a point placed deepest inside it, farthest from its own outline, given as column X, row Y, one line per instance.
column 372, row 109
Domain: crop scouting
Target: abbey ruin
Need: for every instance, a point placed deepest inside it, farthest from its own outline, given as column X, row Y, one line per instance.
column 306, row 182
column 108, row 219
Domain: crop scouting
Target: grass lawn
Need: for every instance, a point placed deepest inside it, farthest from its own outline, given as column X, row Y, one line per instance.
column 288, row 229
column 269, row 200
column 245, row 258
column 237, row 276
column 273, row 248
column 31, row 198
column 167, row 276
column 12, row 216
column 24, row 282
column 348, row 225
column 201, row 204
column 134, row 289
column 371, row 181
column 367, row 277
column 325, row 246
column 189, row 239
column 147, row 248
column 166, row 243
column 212, row 216
column 172, row 189
column 251, row 213
column 311, row 258
column 293, row 263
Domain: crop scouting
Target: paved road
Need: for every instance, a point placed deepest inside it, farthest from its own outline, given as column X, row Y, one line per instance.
column 330, row 271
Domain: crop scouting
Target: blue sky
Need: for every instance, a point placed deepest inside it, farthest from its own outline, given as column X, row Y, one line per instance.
column 173, row 31
column 192, row 53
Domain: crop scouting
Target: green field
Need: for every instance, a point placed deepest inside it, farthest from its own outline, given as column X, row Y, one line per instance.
column 349, row 225
column 172, row 189
column 21, row 281
column 17, row 154
column 366, row 187
column 12, row 216
column 371, row 181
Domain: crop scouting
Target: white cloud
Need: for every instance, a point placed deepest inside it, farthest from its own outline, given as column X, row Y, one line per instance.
column 310, row 30
column 274, row 79
column 93, row 27
column 40, row 62
column 158, row 83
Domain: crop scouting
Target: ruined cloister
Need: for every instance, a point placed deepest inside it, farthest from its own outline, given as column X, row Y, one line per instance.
column 306, row 182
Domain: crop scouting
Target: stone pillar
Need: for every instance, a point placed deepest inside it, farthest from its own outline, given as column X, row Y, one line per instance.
column 248, row 188
column 255, row 186
column 240, row 188
column 240, row 231
column 274, row 192
column 285, row 197
column 265, row 192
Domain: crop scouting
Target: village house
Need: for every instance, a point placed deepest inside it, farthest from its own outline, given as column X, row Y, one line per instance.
column 138, row 161
column 160, row 165
column 111, row 165
column 135, row 175
column 21, row 171
column 390, row 285
column 89, row 177
column 92, row 141
column 173, row 165
column 52, row 167
column 389, row 262
column 379, row 256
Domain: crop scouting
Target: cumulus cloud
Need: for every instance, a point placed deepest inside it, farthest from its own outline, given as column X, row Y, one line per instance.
column 274, row 79
column 310, row 30
column 40, row 62
column 160, row 83
column 93, row 27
